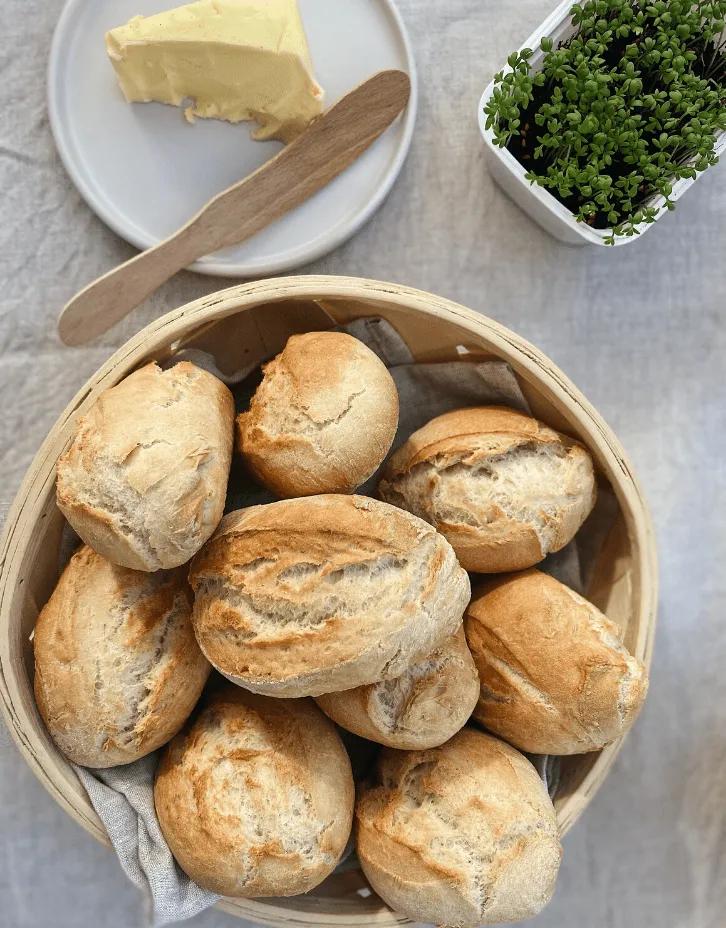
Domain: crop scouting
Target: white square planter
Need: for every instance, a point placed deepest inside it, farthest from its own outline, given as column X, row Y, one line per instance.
column 535, row 200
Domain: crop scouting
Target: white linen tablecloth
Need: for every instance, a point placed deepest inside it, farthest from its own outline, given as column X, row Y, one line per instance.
column 642, row 331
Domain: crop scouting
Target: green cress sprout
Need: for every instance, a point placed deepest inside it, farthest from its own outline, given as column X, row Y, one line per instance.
column 630, row 103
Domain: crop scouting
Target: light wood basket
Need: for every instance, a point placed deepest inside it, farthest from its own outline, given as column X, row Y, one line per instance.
column 244, row 325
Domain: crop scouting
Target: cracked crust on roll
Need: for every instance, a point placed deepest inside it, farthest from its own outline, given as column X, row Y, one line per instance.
column 117, row 666
column 425, row 706
column 255, row 797
column 555, row 675
column 323, row 418
column 144, row 479
column 503, row 488
column 463, row 834
column 320, row 594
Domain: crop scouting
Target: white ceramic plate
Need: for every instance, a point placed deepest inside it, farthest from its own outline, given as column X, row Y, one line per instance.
column 145, row 171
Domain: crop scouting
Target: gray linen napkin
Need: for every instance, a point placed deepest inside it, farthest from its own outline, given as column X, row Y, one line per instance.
column 123, row 796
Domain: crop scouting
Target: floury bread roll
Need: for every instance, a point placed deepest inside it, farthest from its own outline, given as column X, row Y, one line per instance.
column 323, row 418
column 144, row 479
column 255, row 797
column 555, row 676
column 325, row 593
column 117, row 667
column 463, row 834
column 502, row 487
column 422, row 708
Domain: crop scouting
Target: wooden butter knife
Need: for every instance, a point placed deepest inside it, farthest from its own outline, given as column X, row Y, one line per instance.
column 325, row 149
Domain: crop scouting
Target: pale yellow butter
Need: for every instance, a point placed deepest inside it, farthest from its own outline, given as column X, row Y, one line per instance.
column 235, row 59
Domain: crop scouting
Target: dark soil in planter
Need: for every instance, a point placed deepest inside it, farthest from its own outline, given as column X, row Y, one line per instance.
column 523, row 146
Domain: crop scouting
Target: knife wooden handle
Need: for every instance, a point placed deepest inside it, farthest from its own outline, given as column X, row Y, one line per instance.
column 325, row 149
column 108, row 299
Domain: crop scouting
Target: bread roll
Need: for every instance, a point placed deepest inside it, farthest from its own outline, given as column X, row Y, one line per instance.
column 323, row 418
column 463, row 834
column 144, row 479
column 117, row 667
column 422, row 708
column 324, row 593
column 502, row 487
column 555, row 677
column 255, row 797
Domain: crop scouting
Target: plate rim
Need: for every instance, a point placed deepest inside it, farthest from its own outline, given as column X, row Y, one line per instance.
column 250, row 269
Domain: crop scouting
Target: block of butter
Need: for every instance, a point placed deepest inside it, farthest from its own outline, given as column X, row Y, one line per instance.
column 233, row 59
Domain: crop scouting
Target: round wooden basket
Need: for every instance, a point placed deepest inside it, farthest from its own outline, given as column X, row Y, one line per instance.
column 242, row 326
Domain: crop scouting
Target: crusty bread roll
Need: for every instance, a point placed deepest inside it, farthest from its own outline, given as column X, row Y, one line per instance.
column 422, row 708
column 502, row 487
column 144, row 479
column 463, row 834
column 323, row 418
column 323, row 593
column 117, row 667
column 255, row 797
column 555, row 677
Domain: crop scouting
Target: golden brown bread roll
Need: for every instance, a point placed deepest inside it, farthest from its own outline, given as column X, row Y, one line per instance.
column 255, row 796
column 315, row 595
column 502, row 487
column 323, row 418
column 422, row 708
column 555, row 676
column 144, row 479
column 117, row 666
column 463, row 834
